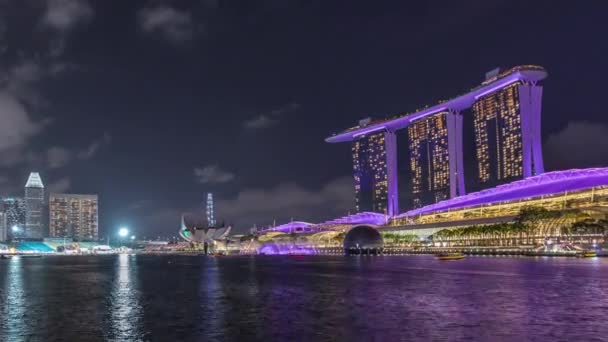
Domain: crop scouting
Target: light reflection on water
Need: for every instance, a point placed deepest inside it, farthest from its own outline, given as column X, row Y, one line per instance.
column 180, row 298
column 126, row 310
column 13, row 302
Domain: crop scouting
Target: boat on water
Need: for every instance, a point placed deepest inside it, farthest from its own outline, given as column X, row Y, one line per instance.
column 587, row 254
column 450, row 256
column 4, row 257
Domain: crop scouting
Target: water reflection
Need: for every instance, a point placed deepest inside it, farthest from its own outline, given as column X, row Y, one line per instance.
column 13, row 306
column 149, row 298
column 126, row 309
column 211, row 298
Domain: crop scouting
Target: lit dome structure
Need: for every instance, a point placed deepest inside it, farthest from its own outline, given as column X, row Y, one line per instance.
column 363, row 239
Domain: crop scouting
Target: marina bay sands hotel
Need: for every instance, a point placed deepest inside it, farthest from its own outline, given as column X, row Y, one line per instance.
column 505, row 111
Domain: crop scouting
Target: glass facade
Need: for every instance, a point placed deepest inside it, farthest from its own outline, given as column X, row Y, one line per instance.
column 34, row 207
column 498, row 136
column 429, row 159
column 73, row 216
column 370, row 173
column 14, row 209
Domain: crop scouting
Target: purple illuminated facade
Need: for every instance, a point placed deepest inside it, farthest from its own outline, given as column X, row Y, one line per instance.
column 507, row 110
column 291, row 227
column 547, row 184
column 359, row 218
column 375, row 172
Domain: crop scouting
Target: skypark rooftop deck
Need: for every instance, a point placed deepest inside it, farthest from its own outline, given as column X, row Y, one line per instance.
column 527, row 73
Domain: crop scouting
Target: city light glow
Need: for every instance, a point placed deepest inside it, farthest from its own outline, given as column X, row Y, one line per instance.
column 123, row 232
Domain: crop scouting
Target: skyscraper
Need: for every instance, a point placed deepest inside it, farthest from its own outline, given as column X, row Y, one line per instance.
column 369, row 153
column 3, row 228
column 34, row 206
column 429, row 159
column 73, row 216
column 507, row 134
column 210, row 211
column 14, row 208
column 506, row 115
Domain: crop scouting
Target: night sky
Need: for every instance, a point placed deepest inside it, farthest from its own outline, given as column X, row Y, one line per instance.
column 151, row 104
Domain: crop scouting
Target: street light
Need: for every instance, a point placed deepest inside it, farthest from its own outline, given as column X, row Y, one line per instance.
column 132, row 237
column 15, row 228
column 123, row 232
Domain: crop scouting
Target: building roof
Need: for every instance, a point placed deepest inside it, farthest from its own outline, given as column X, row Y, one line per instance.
column 288, row 227
column 549, row 183
column 359, row 218
column 34, row 181
column 74, row 196
column 524, row 72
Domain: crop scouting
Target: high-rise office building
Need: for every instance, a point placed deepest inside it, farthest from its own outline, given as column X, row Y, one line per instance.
column 429, row 159
column 3, row 228
column 73, row 216
column 14, row 209
column 34, row 207
column 370, row 173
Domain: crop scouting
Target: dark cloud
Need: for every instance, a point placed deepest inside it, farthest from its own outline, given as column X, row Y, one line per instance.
column 271, row 118
column 61, row 185
column 94, row 147
column 63, row 15
column 58, row 157
column 261, row 121
column 287, row 201
column 172, row 24
column 17, row 126
column 580, row 144
column 212, row 174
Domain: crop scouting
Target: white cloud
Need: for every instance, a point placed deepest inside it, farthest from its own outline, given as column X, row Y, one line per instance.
column 287, row 201
column 579, row 144
column 60, row 186
column 212, row 174
column 172, row 24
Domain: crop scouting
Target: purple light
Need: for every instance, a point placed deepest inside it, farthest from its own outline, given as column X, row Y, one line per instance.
column 458, row 103
column 546, row 184
column 360, row 218
column 294, row 226
column 368, row 131
column 286, row 249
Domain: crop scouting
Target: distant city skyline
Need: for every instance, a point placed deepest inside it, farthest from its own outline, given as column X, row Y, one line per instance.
column 236, row 98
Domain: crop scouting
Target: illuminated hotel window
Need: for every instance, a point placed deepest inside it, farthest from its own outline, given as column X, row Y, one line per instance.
column 370, row 173
column 498, row 136
column 429, row 159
